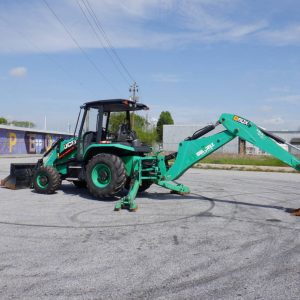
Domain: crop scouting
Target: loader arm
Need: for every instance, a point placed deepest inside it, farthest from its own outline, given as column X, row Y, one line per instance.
column 193, row 150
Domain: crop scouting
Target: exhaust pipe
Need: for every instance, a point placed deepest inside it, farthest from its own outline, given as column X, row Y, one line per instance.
column 20, row 176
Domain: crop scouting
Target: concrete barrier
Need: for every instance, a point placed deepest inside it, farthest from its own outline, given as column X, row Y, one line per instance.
column 17, row 140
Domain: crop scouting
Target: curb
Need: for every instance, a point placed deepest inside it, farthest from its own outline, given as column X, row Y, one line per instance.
column 5, row 156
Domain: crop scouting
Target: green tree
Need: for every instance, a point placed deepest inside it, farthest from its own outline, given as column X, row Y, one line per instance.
column 27, row 124
column 165, row 118
column 144, row 131
column 115, row 120
column 3, row 121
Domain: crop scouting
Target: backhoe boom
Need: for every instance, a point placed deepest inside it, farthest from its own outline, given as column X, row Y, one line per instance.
column 195, row 148
column 191, row 150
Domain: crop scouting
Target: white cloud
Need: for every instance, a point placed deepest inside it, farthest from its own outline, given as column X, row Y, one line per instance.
column 18, row 72
column 275, row 120
column 210, row 20
column 291, row 99
column 265, row 108
column 289, row 35
column 240, row 31
column 166, row 78
column 280, row 89
column 30, row 26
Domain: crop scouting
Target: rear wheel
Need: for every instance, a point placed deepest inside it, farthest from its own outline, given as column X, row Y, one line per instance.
column 142, row 188
column 145, row 185
column 46, row 180
column 105, row 175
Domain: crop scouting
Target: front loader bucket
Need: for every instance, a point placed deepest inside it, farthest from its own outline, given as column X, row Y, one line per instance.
column 20, row 176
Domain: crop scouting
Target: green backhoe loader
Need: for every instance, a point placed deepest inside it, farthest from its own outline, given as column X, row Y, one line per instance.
column 106, row 162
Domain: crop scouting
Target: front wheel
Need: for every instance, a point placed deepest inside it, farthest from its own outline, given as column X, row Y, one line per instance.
column 46, row 180
column 105, row 175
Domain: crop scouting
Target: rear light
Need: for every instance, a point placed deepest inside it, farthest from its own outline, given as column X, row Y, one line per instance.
column 105, row 142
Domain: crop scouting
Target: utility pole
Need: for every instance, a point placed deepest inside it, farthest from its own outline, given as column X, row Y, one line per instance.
column 45, row 123
column 69, row 127
column 133, row 89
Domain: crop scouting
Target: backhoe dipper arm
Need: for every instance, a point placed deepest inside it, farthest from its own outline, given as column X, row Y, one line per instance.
column 260, row 138
column 191, row 151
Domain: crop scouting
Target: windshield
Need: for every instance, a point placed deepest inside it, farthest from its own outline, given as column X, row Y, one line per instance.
column 79, row 118
column 91, row 121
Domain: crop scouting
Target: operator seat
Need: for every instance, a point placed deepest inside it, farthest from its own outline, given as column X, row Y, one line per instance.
column 88, row 138
column 125, row 134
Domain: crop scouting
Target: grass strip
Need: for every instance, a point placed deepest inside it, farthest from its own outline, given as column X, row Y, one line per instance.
column 235, row 159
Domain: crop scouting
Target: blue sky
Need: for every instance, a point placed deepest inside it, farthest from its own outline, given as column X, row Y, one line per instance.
column 195, row 58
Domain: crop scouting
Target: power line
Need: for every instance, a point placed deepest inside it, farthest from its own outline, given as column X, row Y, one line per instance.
column 79, row 47
column 102, row 31
column 100, row 41
column 22, row 35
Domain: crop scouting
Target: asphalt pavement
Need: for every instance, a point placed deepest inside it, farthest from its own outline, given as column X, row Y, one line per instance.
column 232, row 238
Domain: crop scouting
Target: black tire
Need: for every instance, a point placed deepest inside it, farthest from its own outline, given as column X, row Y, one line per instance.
column 79, row 183
column 46, row 180
column 145, row 185
column 105, row 175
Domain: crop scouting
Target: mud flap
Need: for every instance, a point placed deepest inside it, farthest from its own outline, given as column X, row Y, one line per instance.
column 20, row 176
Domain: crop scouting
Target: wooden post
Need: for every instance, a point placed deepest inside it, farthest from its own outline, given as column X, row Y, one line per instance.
column 242, row 146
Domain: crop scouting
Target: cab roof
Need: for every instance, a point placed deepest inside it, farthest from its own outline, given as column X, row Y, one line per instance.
column 116, row 105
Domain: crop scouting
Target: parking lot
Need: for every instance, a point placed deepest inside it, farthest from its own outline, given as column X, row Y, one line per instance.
column 231, row 238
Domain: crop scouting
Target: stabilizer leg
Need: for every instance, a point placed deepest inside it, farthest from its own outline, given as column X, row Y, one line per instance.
column 128, row 202
column 175, row 188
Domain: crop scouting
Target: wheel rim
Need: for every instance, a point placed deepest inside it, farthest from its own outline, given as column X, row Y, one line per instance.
column 42, row 180
column 101, row 175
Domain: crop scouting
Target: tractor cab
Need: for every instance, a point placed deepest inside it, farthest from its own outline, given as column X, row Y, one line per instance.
column 96, row 126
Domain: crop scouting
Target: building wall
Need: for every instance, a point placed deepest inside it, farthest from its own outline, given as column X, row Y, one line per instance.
column 16, row 140
column 174, row 134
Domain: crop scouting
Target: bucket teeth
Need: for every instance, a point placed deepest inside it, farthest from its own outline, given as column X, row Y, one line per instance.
column 9, row 182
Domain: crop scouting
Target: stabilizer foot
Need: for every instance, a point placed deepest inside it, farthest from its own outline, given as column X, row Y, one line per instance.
column 128, row 202
column 134, row 209
column 296, row 212
column 179, row 193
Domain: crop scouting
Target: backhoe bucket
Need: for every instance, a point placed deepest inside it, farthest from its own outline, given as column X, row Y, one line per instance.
column 20, row 176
